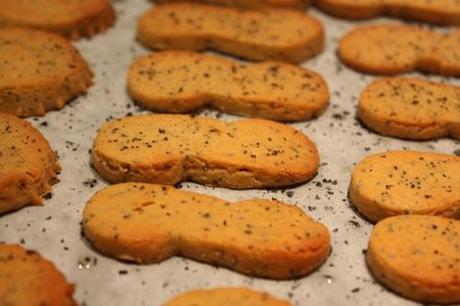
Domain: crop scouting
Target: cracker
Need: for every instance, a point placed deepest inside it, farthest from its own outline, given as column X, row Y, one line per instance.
column 271, row 34
column 411, row 108
column 28, row 166
column 150, row 223
column 168, row 149
column 251, row 4
column 27, row 279
column 39, row 71
column 182, row 81
column 226, row 297
column 406, row 182
column 71, row 18
column 418, row 257
column 393, row 49
column 443, row 12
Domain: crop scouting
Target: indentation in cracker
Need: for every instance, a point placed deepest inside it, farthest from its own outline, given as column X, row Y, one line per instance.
column 72, row 18
column 395, row 49
column 39, row 71
column 226, row 296
column 445, row 12
column 406, row 182
column 28, row 166
column 168, row 149
column 411, row 108
column 150, row 223
column 181, row 81
column 26, row 278
column 276, row 34
column 418, row 257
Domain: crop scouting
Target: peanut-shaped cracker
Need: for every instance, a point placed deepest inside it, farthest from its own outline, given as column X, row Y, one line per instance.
column 395, row 49
column 418, row 257
column 406, row 182
column 26, row 278
column 150, row 223
column 28, row 166
column 181, row 81
column 226, row 297
column 71, row 18
column 39, row 72
column 445, row 12
column 271, row 34
column 168, row 149
column 411, row 108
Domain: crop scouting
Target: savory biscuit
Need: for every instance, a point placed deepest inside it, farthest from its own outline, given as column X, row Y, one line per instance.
column 28, row 166
column 39, row 71
column 168, row 149
column 395, row 49
column 71, row 18
column 418, row 257
column 226, row 297
column 147, row 223
column 27, row 279
column 181, row 81
column 411, row 108
column 406, row 182
column 251, row 4
column 445, row 12
column 271, row 34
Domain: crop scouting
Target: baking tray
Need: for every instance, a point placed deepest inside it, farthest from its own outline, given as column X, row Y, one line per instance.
column 55, row 230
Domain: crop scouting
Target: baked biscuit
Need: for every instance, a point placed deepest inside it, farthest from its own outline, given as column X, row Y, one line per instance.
column 168, row 149
column 418, row 257
column 226, row 297
column 27, row 279
column 444, row 12
column 395, row 49
column 181, row 81
column 271, row 34
column 411, row 108
column 150, row 223
column 28, row 166
column 406, row 182
column 39, row 71
column 71, row 18
column 251, row 4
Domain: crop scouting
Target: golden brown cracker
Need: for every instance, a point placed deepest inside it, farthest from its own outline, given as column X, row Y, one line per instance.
column 182, row 81
column 39, row 72
column 411, row 108
column 168, row 149
column 270, row 34
column 28, row 166
column 406, row 182
column 150, row 223
column 418, row 257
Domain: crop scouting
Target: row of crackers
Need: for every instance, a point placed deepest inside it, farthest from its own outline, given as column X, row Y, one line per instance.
column 148, row 223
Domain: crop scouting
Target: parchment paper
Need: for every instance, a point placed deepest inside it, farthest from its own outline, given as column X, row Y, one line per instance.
column 54, row 229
